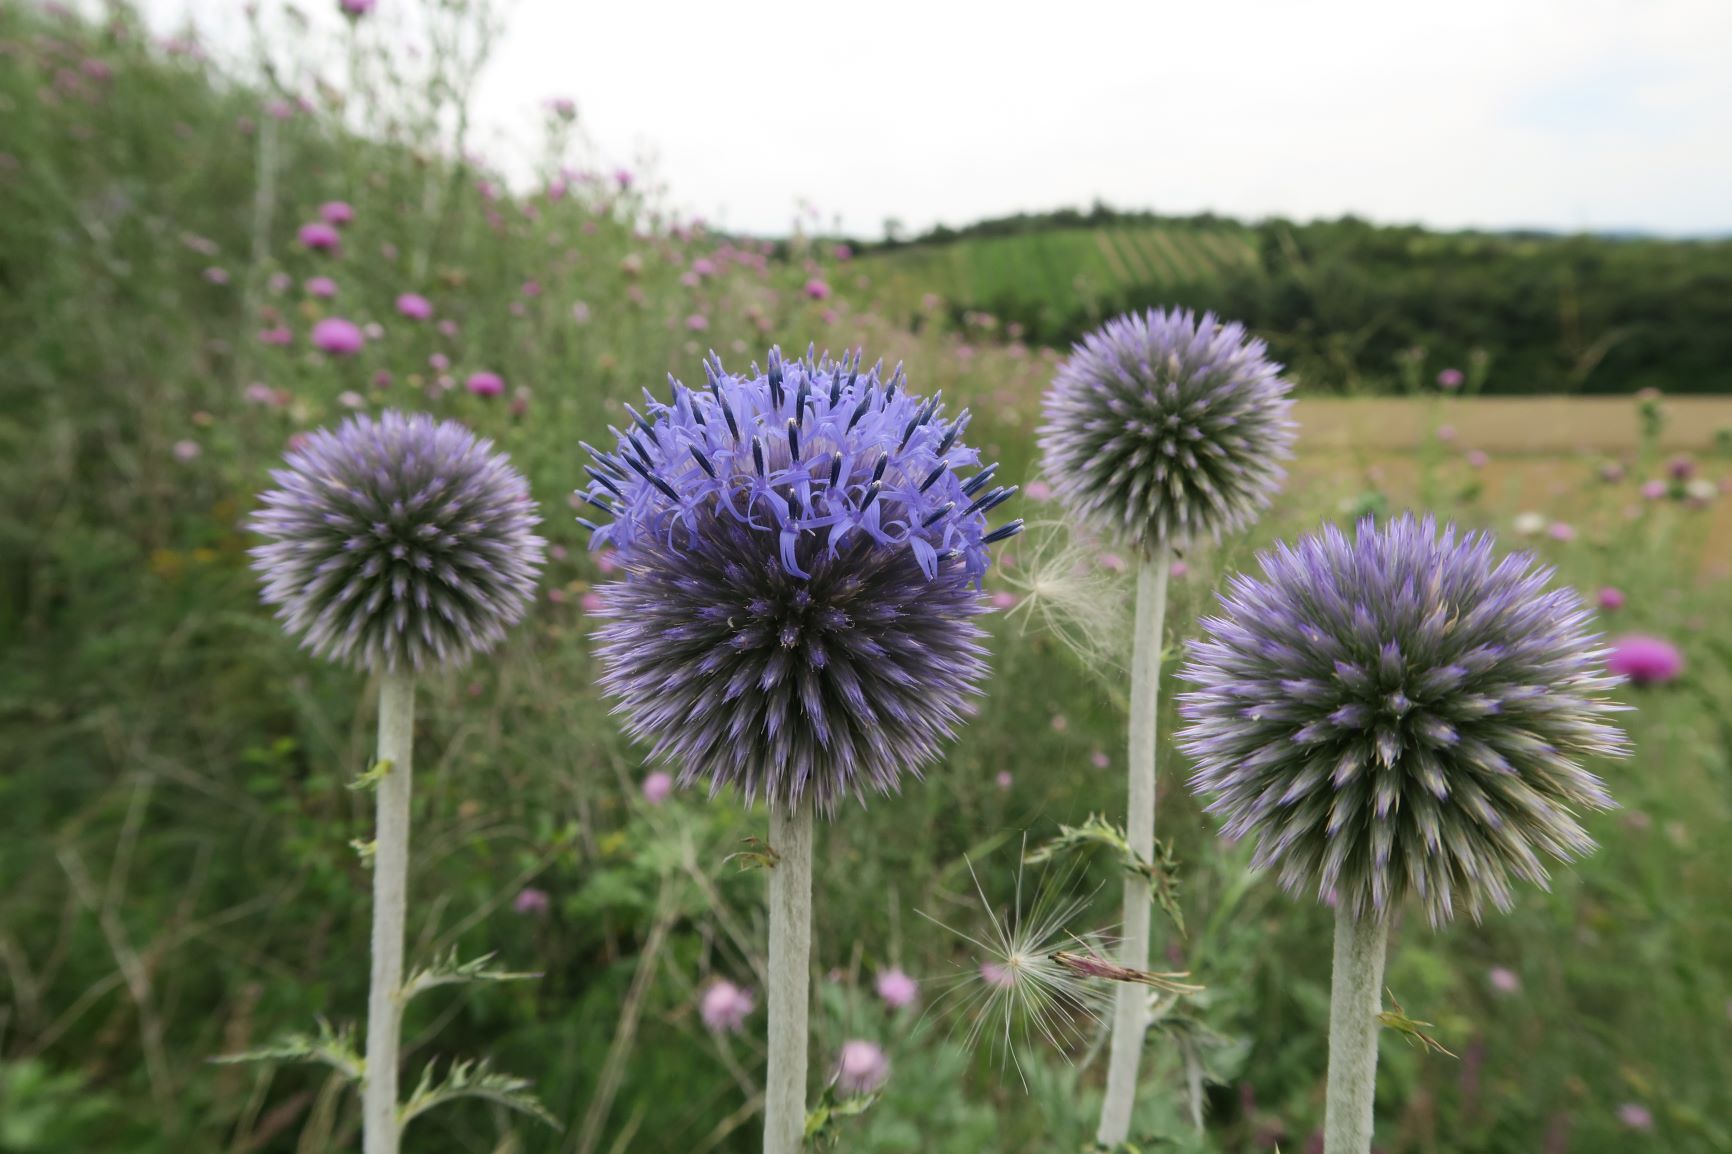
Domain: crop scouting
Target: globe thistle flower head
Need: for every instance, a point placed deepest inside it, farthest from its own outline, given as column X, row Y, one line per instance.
column 1400, row 713
column 802, row 552
column 398, row 543
column 1163, row 426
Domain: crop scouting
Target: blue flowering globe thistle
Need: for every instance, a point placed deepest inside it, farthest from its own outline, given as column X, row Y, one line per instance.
column 802, row 553
column 1400, row 713
column 1161, row 427
column 398, row 544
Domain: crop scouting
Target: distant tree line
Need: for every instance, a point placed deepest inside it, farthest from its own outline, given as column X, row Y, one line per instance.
column 1346, row 304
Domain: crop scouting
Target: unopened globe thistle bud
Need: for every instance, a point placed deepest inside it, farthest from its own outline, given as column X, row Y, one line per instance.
column 1162, row 427
column 397, row 544
column 802, row 552
column 1400, row 713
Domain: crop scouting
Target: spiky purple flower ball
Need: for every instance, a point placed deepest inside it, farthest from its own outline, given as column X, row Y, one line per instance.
column 802, row 551
column 1161, row 427
column 1400, row 713
column 398, row 543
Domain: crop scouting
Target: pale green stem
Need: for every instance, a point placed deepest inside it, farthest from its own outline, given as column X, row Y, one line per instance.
column 380, row 1128
column 1355, row 1000
column 1131, row 1003
column 790, row 976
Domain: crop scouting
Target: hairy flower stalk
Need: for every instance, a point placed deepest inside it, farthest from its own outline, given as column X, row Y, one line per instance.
column 1400, row 714
column 1160, row 428
column 802, row 552
column 396, row 545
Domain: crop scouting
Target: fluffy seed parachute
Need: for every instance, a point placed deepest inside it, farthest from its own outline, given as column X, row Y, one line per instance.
column 802, row 552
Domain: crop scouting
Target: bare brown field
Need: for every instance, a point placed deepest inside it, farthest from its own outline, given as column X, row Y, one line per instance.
column 1542, row 455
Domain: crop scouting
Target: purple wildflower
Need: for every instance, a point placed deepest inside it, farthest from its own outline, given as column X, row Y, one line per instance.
column 1645, row 660
column 861, row 1068
column 531, row 901
column 397, row 543
column 485, row 384
column 896, row 988
column 338, row 337
column 803, row 560
column 320, row 237
column 656, row 786
column 1400, row 713
column 414, row 306
column 337, row 212
column 1162, row 427
column 725, row 1007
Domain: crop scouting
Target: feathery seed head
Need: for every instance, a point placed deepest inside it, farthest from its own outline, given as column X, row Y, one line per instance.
column 398, row 543
column 1400, row 713
column 1161, row 427
column 802, row 551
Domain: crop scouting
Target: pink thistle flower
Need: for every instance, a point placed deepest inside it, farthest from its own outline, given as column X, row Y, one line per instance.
column 438, row 362
column 216, row 275
column 336, row 212
column 1446, row 433
column 697, row 322
column 580, row 313
column 1645, row 660
column 1504, row 981
column 605, row 562
column 1653, row 490
column 1611, row 472
column 995, row 974
column 1477, row 459
column 1611, row 598
column 817, row 289
column 382, row 379
column 896, row 989
column 724, row 1007
column 485, row 384
column 1037, row 491
column 350, row 399
column 1636, row 1116
column 1112, row 562
column 1004, row 780
column 1004, row 600
column 531, row 901
column 322, row 287
column 355, row 9
column 185, row 451
column 1099, row 759
column 1060, row 723
column 320, row 237
column 260, row 393
column 448, row 328
column 590, row 603
column 1178, row 570
column 1450, row 379
column 531, row 288
column 278, row 335
column 656, row 787
column 338, row 337
column 1681, row 468
column 414, row 306
column 1561, row 531
column 861, row 1068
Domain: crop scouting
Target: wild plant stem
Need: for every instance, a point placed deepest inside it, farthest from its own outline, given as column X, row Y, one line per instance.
column 790, row 977
column 1355, row 1000
column 379, row 1125
column 1131, row 1004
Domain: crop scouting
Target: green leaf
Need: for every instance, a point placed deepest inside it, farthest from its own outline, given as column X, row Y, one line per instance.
column 371, row 779
column 1096, row 832
column 820, row 1120
column 448, row 971
column 330, row 1047
column 472, row 1079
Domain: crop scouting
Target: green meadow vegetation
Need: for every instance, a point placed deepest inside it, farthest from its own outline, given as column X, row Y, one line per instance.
column 178, row 877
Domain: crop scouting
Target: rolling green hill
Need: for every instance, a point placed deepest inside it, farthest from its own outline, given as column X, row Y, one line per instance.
column 1350, row 306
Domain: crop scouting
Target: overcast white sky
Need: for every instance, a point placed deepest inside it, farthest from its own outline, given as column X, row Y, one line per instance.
column 1572, row 114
